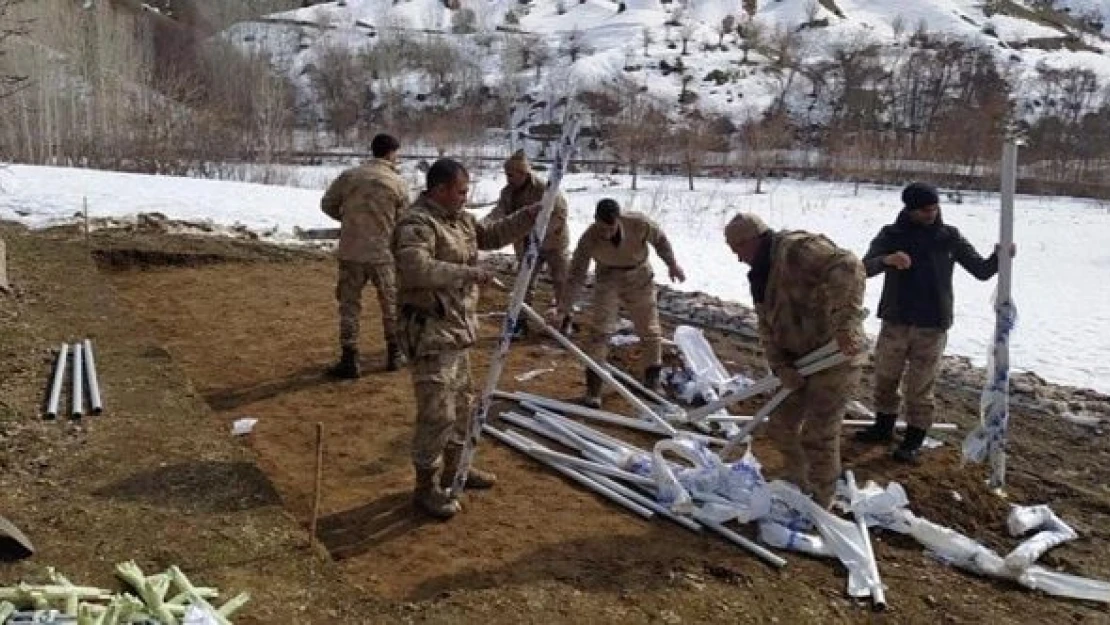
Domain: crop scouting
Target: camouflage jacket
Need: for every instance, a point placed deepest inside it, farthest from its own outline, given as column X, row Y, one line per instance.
column 814, row 290
column 511, row 200
column 637, row 231
column 437, row 256
column 368, row 200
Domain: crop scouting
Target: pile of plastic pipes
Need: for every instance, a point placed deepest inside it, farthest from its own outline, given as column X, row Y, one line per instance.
column 83, row 379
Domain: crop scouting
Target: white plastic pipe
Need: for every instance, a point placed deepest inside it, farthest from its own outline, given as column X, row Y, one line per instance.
column 634, row 383
column 95, row 405
column 732, row 536
column 78, row 382
column 56, row 383
column 628, row 395
column 648, row 503
column 878, row 598
column 591, row 413
column 524, row 445
column 851, row 423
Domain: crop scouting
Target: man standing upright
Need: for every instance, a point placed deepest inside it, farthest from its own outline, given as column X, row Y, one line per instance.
column 916, row 254
column 807, row 292
column 524, row 188
column 619, row 244
column 367, row 200
column 436, row 246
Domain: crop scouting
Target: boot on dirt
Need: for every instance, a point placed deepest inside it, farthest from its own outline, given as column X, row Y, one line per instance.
column 566, row 326
column 430, row 498
column 394, row 357
column 882, row 431
column 653, row 379
column 911, row 445
column 475, row 478
column 520, row 330
column 592, row 398
column 347, row 367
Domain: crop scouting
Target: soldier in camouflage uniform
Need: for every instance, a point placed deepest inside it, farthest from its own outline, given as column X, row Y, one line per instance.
column 619, row 244
column 807, row 291
column 524, row 188
column 916, row 254
column 436, row 247
column 367, row 200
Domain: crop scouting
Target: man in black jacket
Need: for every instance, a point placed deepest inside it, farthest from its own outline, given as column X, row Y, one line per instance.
column 916, row 254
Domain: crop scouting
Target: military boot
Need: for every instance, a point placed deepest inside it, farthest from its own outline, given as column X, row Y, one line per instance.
column 430, row 498
column 652, row 379
column 475, row 477
column 882, row 431
column 911, row 445
column 394, row 357
column 520, row 330
column 347, row 367
column 592, row 398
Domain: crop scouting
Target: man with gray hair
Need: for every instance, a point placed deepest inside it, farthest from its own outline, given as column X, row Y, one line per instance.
column 807, row 292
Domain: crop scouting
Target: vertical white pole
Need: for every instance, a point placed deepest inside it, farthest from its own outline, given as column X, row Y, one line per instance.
column 78, row 381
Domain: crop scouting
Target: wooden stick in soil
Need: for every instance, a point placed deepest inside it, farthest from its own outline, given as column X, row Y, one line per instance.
column 316, row 485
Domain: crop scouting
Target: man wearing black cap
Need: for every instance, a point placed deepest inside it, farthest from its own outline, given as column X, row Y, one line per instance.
column 618, row 243
column 916, row 254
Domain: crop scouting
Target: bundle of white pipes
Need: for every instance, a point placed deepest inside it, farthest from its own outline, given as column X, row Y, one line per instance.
column 84, row 376
column 631, row 477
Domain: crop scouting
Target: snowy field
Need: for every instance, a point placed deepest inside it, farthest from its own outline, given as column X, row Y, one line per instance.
column 1063, row 243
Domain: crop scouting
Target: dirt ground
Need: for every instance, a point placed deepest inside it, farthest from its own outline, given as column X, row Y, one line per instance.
column 195, row 333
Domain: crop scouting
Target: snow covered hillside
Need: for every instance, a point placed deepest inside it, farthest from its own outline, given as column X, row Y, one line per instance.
column 1063, row 243
column 711, row 54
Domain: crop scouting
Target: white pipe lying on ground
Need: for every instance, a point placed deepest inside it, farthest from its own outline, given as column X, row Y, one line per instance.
column 732, row 536
column 56, row 383
column 648, row 503
column 851, row 423
column 95, row 405
column 525, row 446
column 583, row 411
column 628, row 395
column 78, row 381
column 635, row 384
column 878, row 598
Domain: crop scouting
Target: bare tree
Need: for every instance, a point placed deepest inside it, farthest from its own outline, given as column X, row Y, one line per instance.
column 10, row 26
column 631, row 123
column 686, row 33
column 750, row 8
column 575, row 45
column 647, row 37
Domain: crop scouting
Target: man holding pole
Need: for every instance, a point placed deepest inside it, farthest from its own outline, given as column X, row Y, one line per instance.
column 807, row 292
column 619, row 244
column 522, row 189
column 916, row 254
column 436, row 248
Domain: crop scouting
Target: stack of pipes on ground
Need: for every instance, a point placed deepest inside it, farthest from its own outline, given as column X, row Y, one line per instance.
column 706, row 492
column 83, row 376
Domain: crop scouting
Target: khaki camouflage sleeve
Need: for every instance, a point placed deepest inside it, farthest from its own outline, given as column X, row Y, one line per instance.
column 776, row 358
column 499, row 211
column 496, row 233
column 413, row 248
column 579, row 265
column 845, row 282
column 661, row 243
column 332, row 202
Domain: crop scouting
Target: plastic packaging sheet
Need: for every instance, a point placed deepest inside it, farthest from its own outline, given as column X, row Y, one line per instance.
column 735, row 491
column 1024, row 519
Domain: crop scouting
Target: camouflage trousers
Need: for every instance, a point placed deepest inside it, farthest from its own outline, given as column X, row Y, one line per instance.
column 634, row 289
column 806, row 430
column 908, row 356
column 353, row 277
column 558, row 266
column 444, row 394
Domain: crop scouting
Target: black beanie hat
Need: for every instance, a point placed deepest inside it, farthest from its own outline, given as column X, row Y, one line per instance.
column 607, row 211
column 919, row 195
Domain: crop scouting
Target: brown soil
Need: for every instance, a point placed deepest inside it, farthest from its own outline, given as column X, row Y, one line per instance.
column 195, row 333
